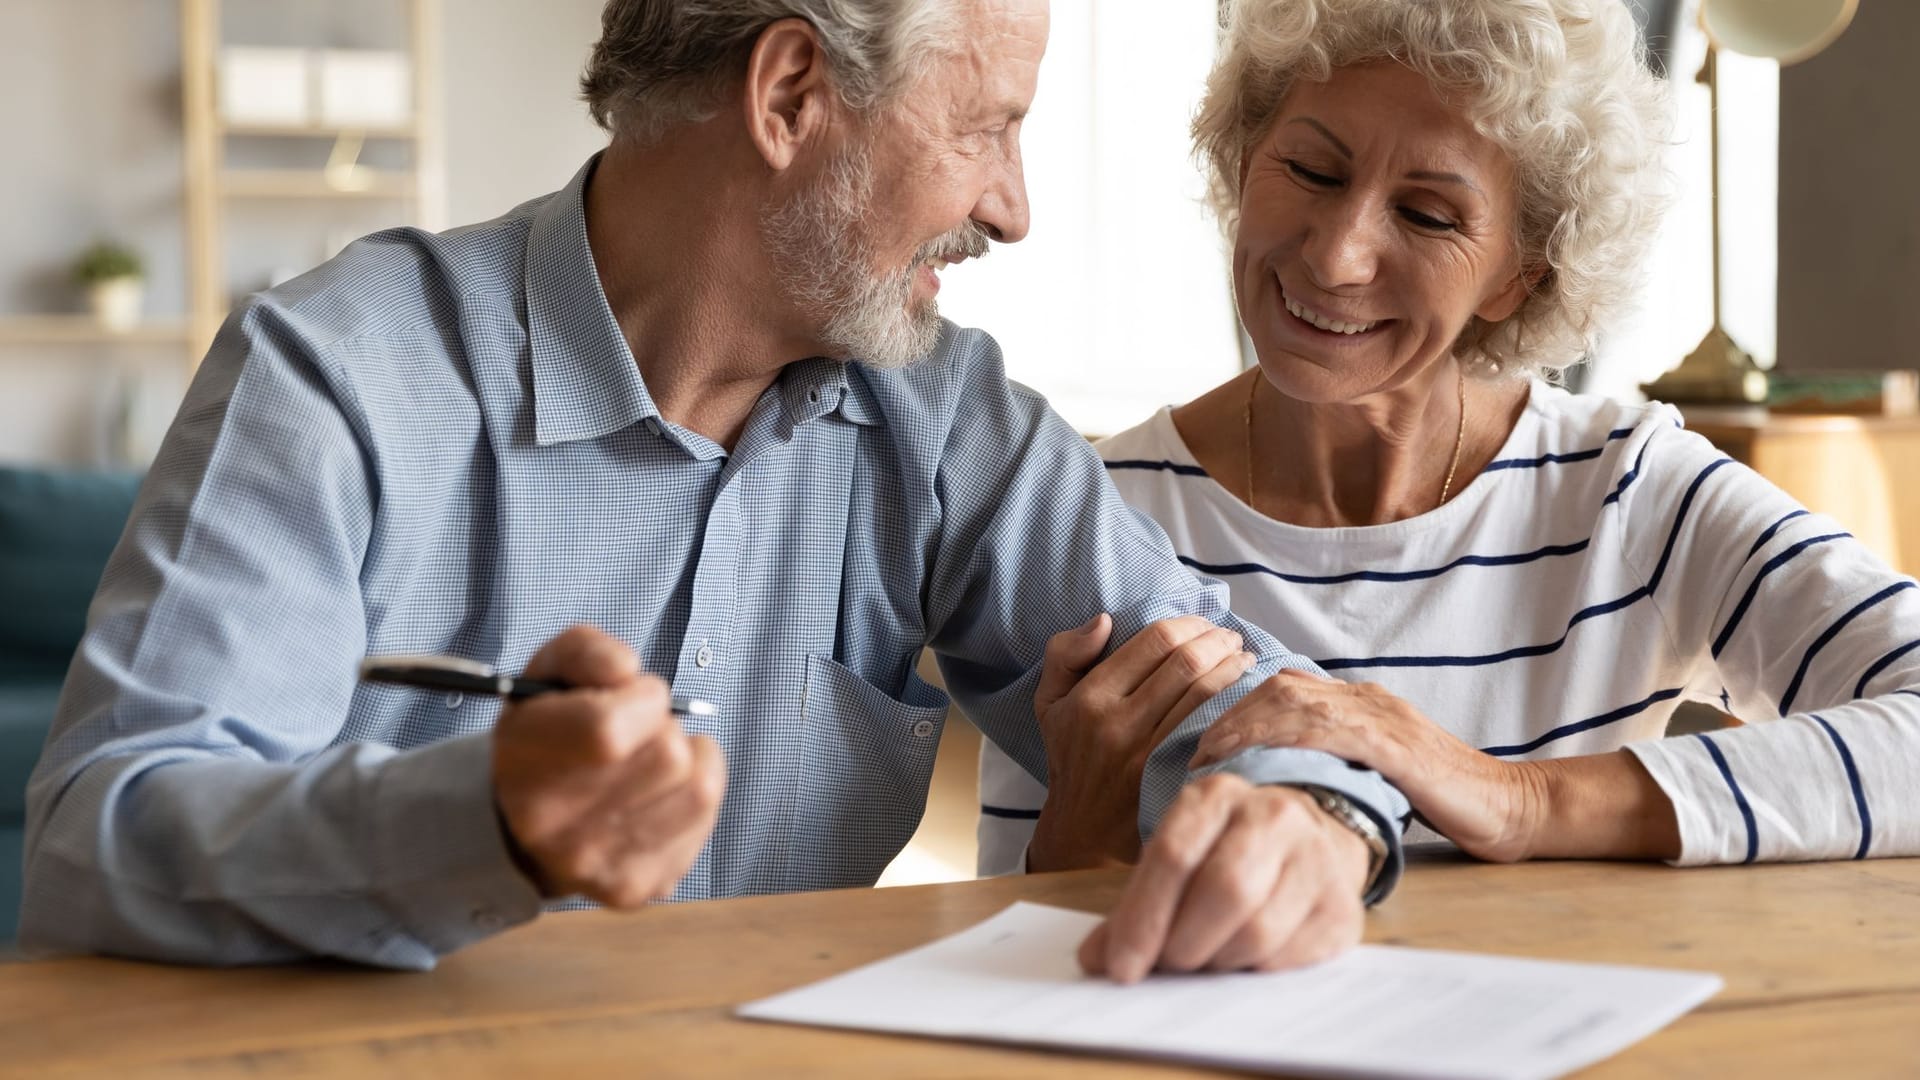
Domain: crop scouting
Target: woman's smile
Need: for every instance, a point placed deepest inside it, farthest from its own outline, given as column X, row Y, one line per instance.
column 1328, row 326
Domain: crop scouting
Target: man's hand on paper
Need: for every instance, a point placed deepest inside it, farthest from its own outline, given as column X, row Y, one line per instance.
column 1104, row 723
column 1238, row 876
column 599, row 789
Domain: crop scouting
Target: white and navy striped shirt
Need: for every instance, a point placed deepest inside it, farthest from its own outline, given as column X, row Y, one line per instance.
column 1604, row 567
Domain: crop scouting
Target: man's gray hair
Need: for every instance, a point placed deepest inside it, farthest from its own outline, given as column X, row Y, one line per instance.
column 662, row 63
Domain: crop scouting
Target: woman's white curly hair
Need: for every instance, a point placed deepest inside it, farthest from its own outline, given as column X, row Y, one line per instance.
column 1561, row 85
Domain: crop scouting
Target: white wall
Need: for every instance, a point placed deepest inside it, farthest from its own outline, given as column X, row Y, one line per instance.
column 1675, row 309
column 89, row 114
column 516, row 126
column 1118, row 302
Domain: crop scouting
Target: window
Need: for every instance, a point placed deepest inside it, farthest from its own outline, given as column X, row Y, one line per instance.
column 1119, row 301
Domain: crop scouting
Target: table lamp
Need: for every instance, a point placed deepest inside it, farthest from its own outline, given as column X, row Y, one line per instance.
column 1718, row 371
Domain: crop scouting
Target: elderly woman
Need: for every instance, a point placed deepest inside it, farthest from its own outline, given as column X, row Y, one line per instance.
column 1434, row 206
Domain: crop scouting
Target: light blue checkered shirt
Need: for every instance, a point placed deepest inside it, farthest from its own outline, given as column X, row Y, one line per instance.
column 442, row 444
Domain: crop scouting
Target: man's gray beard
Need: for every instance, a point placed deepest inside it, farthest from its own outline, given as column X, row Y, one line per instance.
column 819, row 242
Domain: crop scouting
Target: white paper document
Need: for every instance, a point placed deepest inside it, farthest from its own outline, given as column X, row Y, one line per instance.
column 1377, row 1011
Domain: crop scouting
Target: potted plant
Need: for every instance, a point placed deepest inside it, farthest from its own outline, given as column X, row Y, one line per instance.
column 114, row 280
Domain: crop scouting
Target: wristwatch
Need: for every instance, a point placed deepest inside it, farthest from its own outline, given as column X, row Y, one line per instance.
column 1346, row 813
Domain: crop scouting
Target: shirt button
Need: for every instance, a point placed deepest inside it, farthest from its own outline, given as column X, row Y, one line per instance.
column 813, row 396
column 923, row 729
column 489, row 919
column 704, row 656
column 455, row 699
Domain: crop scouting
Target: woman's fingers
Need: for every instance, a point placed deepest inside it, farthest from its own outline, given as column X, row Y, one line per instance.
column 1069, row 655
column 1197, row 663
column 1279, row 712
column 1224, row 674
column 1135, row 662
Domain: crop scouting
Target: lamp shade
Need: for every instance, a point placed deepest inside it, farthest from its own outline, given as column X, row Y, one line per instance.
column 1785, row 30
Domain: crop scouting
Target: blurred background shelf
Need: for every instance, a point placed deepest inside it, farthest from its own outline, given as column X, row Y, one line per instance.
column 125, row 137
column 212, row 182
column 85, row 330
column 315, row 184
column 325, row 131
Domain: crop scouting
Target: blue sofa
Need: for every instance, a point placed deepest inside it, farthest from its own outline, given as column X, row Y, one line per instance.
column 57, row 528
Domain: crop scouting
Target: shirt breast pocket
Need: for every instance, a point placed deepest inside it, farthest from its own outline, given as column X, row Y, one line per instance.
column 869, row 761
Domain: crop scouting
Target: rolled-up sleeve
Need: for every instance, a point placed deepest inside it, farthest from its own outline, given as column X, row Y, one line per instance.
column 1036, row 540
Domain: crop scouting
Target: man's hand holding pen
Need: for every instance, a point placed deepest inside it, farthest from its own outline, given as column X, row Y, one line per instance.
column 599, row 788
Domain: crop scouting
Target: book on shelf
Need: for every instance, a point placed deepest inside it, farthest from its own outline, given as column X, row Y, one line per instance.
column 1857, row 393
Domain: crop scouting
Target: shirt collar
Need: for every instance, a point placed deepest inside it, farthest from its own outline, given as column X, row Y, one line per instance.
column 586, row 382
column 810, row 389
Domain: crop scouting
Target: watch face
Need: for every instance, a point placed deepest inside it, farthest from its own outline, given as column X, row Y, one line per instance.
column 1352, row 817
column 1344, row 810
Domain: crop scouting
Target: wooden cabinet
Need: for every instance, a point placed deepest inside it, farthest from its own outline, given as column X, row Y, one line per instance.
column 1863, row 471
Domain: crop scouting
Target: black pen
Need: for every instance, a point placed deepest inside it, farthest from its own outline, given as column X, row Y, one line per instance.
column 461, row 676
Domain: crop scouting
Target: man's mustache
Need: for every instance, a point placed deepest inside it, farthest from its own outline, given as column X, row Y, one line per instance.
column 969, row 241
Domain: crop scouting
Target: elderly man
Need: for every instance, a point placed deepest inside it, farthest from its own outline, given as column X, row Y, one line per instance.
column 701, row 400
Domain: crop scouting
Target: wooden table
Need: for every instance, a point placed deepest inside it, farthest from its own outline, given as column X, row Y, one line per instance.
column 1822, row 964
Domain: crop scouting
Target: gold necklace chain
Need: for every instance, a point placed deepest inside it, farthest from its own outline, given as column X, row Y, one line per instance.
column 1459, row 434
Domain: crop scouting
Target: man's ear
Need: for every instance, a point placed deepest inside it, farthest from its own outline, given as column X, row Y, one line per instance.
column 1502, row 305
column 788, row 96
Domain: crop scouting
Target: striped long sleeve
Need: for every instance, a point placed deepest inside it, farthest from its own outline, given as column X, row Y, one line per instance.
column 1814, row 641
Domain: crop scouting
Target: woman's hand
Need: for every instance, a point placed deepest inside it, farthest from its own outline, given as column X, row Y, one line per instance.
column 1491, row 808
column 1100, row 726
